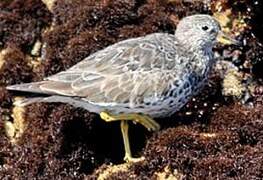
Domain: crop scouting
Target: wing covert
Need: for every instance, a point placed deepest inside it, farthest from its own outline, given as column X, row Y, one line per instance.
column 125, row 72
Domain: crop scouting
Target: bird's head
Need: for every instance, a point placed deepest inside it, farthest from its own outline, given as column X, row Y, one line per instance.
column 201, row 31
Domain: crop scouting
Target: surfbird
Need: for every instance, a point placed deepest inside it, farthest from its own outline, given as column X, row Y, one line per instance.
column 137, row 79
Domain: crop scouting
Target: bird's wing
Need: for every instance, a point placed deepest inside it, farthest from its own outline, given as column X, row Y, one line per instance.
column 126, row 72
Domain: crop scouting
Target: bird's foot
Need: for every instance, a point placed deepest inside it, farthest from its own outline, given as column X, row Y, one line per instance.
column 144, row 120
column 129, row 159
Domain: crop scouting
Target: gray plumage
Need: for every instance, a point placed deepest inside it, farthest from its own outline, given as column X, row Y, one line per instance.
column 156, row 74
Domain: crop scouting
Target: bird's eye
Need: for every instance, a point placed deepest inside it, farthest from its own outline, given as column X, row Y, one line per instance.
column 205, row 28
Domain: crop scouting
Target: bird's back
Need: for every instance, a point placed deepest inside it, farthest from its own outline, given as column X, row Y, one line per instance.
column 136, row 74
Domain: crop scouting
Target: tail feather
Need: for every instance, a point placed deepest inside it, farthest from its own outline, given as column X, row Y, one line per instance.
column 28, row 87
column 28, row 101
column 61, row 99
column 44, row 87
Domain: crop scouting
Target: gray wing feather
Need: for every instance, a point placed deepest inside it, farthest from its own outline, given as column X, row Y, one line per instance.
column 125, row 72
column 27, row 87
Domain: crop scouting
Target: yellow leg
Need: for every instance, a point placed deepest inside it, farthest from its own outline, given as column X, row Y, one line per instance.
column 128, row 156
column 144, row 120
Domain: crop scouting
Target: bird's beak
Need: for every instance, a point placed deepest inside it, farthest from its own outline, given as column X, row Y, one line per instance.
column 226, row 39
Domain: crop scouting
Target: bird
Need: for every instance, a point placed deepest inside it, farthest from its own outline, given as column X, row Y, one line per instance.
column 137, row 79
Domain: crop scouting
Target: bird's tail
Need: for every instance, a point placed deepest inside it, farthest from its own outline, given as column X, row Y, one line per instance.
column 28, row 87
column 36, row 87
column 61, row 99
column 27, row 101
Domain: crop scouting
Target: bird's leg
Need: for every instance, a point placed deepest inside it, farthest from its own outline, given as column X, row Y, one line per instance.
column 146, row 121
column 128, row 156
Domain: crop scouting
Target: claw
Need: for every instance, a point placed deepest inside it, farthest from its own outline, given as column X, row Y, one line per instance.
column 130, row 159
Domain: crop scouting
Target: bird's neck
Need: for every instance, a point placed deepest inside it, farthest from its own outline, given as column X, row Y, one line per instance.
column 203, row 61
column 196, row 46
